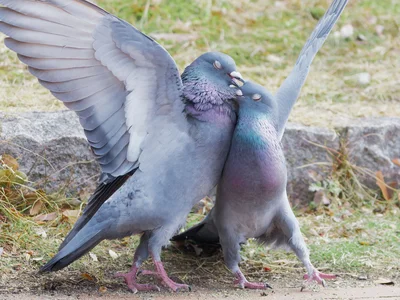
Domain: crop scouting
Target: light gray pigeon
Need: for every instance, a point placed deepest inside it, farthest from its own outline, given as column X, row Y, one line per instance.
column 161, row 140
column 251, row 197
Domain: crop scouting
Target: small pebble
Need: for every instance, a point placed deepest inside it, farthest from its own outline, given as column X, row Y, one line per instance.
column 364, row 78
column 347, row 31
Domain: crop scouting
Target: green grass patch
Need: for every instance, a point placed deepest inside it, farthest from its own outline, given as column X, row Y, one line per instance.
column 264, row 39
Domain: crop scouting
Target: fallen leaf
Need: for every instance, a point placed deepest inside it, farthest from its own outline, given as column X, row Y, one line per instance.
column 364, row 243
column 35, row 209
column 380, row 181
column 41, row 232
column 27, row 256
column 113, row 254
column 87, row 276
column 10, row 161
column 384, row 281
column 38, row 258
column 71, row 215
column 93, row 256
column 267, row 269
column 396, row 161
column 102, row 289
column 46, row 217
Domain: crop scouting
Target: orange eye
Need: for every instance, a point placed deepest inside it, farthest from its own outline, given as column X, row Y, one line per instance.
column 256, row 97
column 217, row 65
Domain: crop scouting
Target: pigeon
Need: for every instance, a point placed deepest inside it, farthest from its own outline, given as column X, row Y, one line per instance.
column 161, row 139
column 251, row 199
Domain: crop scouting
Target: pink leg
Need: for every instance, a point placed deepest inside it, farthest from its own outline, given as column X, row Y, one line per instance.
column 243, row 283
column 318, row 277
column 163, row 276
column 130, row 279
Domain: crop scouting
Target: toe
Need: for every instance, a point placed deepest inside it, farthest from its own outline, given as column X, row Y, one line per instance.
column 327, row 276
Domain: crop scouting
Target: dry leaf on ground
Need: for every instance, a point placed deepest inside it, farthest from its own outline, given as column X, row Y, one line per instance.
column 113, row 254
column 380, row 181
column 93, row 256
column 46, row 217
column 87, row 276
column 35, row 209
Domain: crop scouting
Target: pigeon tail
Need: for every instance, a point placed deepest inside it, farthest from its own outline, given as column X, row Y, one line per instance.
column 101, row 194
column 203, row 233
column 76, row 248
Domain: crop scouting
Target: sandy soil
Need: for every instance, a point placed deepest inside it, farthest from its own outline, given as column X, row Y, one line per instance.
column 375, row 292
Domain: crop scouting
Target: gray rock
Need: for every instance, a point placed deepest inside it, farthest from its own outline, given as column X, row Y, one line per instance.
column 307, row 159
column 51, row 148
column 372, row 144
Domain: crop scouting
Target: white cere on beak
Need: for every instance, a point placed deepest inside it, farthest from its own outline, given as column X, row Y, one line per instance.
column 239, row 93
column 236, row 74
column 237, row 78
column 256, row 97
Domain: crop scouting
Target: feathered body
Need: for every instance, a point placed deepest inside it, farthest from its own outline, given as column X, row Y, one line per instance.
column 159, row 198
column 254, row 176
column 251, row 197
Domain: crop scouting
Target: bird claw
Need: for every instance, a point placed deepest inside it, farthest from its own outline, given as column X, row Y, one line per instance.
column 243, row 283
column 130, row 280
column 165, row 280
column 318, row 277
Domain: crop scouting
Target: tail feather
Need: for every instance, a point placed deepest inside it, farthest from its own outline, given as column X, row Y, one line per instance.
column 203, row 233
column 100, row 195
column 75, row 249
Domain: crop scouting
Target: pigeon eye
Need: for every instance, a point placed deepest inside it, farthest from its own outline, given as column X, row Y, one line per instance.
column 256, row 97
column 217, row 65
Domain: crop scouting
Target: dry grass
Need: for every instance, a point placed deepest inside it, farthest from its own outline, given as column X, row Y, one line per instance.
column 264, row 39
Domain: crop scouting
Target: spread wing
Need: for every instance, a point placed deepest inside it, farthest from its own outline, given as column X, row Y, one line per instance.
column 118, row 80
column 290, row 89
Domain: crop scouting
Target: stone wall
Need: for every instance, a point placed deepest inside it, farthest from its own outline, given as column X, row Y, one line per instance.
column 51, row 149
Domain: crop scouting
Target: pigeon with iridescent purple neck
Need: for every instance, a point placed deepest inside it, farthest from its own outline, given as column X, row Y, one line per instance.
column 161, row 139
column 251, row 197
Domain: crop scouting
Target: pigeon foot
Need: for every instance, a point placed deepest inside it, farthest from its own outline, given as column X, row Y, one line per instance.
column 243, row 283
column 130, row 280
column 165, row 280
column 318, row 277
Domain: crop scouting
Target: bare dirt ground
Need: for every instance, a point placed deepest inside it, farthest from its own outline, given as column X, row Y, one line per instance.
column 70, row 285
column 375, row 292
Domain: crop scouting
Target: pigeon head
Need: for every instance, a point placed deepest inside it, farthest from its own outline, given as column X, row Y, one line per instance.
column 254, row 96
column 211, row 80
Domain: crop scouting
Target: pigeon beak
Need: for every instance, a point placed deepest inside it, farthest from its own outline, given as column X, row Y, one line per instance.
column 237, row 78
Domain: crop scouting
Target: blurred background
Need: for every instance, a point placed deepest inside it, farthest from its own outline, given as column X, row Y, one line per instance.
column 354, row 75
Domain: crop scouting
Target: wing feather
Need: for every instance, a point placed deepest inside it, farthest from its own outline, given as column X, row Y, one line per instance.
column 112, row 75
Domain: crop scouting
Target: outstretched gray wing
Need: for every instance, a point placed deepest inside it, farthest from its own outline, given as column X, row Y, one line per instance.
column 290, row 89
column 118, row 80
